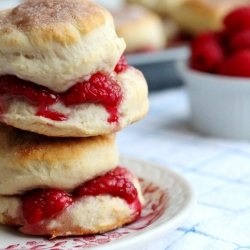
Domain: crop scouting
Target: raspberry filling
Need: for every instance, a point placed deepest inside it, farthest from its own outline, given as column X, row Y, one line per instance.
column 100, row 88
column 41, row 204
column 113, row 183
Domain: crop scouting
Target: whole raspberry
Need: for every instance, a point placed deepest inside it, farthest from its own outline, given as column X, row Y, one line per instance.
column 237, row 65
column 240, row 40
column 113, row 183
column 122, row 65
column 238, row 19
column 41, row 204
column 201, row 38
column 207, row 57
column 99, row 88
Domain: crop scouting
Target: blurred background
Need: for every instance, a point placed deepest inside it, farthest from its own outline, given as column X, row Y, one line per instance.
column 158, row 32
column 151, row 40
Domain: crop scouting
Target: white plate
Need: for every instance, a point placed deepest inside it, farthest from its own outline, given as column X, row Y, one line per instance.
column 170, row 200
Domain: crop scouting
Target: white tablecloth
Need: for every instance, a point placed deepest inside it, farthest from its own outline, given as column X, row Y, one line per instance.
column 219, row 170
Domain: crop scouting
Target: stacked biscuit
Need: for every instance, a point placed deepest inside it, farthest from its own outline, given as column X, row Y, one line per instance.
column 142, row 29
column 65, row 90
column 193, row 16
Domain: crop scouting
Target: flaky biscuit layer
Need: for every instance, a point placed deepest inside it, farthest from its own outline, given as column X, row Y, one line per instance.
column 88, row 215
column 30, row 160
column 86, row 119
column 55, row 43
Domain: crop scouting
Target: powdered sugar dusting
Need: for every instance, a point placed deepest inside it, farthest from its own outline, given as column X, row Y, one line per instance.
column 37, row 13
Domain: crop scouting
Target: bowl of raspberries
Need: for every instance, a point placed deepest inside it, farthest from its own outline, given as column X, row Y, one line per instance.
column 217, row 77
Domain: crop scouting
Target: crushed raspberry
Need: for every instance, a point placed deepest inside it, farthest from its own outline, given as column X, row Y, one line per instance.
column 43, row 111
column 122, row 65
column 42, row 204
column 38, row 95
column 30, row 91
column 237, row 65
column 238, row 19
column 240, row 40
column 99, row 88
column 113, row 183
column 113, row 114
column 123, row 172
column 207, row 57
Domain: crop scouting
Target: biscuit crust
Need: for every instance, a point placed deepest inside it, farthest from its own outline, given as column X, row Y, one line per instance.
column 86, row 119
column 88, row 215
column 55, row 43
column 30, row 160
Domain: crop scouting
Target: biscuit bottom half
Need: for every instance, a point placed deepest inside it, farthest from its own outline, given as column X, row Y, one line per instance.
column 94, row 207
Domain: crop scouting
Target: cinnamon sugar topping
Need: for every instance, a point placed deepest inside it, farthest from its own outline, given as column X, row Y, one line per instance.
column 36, row 13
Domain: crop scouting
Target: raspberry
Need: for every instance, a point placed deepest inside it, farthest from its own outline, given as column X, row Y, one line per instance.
column 207, row 56
column 237, row 65
column 120, row 171
column 238, row 19
column 113, row 114
column 99, row 88
column 113, row 183
column 33, row 93
column 122, row 65
column 240, row 40
column 41, row 204
column 203, row 37
column 55, row 116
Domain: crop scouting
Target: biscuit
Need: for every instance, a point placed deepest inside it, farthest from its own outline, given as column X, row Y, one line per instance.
column 30, row 160
column 142, row 29
column 163, row 7
column 195, row 16
column 87, row 215
column 51, row 47
column 57, row 43
column 84, row 119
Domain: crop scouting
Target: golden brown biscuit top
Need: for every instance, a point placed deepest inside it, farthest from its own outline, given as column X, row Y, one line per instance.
column 56, row 43
column 213, row 4
column 50, row 15
column 27, row 145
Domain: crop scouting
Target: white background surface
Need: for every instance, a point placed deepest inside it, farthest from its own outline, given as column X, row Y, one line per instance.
column 218, row 169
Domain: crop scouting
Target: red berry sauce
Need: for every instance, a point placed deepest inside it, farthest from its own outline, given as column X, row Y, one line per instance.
column 122, row 65
column 37, row 95
column 41, row 204
column 113, row 183
column 100, row 88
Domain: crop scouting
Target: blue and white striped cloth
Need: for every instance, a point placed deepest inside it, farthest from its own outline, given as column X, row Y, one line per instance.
column 218, row 169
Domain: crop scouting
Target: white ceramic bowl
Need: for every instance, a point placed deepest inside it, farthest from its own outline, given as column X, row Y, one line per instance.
column 220, row 105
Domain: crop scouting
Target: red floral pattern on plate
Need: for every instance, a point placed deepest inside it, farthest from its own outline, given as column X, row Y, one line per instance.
column 156, row 204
